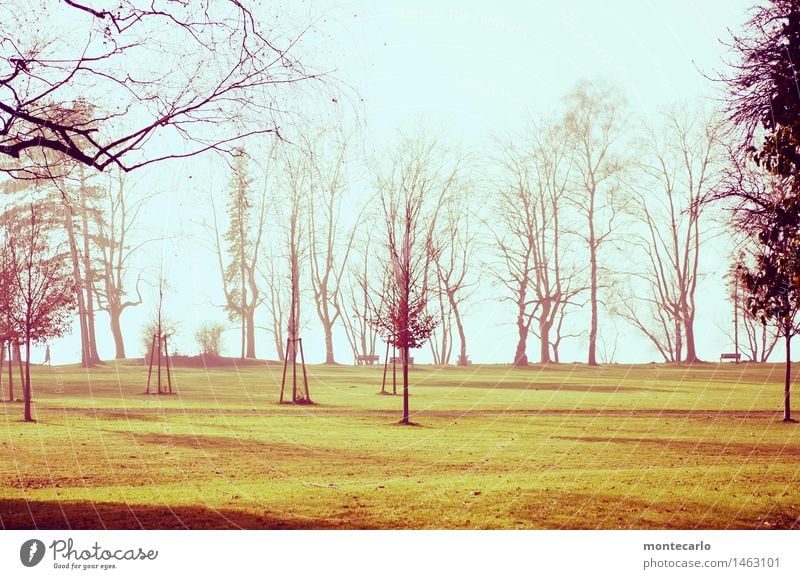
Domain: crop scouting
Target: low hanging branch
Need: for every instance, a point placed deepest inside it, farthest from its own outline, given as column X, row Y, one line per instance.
column 165, row 79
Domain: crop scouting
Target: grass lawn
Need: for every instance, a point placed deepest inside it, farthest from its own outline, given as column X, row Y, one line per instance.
column 554, row 447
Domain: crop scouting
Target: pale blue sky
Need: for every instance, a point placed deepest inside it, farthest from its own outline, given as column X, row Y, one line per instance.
column 482, row 66
column 473, row 70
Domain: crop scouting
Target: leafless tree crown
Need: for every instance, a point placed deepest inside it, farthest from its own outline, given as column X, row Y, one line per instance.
column 165, row 79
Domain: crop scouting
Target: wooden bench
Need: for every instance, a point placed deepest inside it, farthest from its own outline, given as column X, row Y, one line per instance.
column 366, row 360
column 397, row 360
column 730, row 356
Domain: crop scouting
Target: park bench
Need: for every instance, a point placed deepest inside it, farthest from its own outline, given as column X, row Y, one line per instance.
column 366, row 360
column 397, row 360
column 730, row 356
column 465, row 361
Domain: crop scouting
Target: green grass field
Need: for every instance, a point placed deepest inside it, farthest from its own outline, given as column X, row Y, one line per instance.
column 555, row 447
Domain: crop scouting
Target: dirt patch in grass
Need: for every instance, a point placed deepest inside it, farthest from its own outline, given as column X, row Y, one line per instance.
column 208, row 361
column 122, row 415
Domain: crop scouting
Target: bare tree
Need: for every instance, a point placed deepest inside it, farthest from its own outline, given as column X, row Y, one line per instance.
column 412, row 191
column 516, row 271
column 329, row 243
column 593, row 127
column 681, row 169
column 649, row 309
column 276, row 284
column 88, row 357
column 155, row 337
column 87, row 282
column 115, row 215
column 530, row 240
column 359, row 287
column 455, row 281
column 74, row 193
column 207, row 74
column 441, row 339
column 296, row 244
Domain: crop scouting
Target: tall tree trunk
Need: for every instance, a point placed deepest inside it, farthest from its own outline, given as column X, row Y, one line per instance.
column 26, row 384
column 114, row 315
column 86, row 359
column 592, row 358
column 520, row 357
column 544, row 338
column 787, row 405
column 279, row 345
column 440, row 355
column 365, row 311
column 244, row 323
column 691, row 352
column 434, row 350
column 462, row 337
column 240, row 205
column 327, row 328
column 324, row 314
column 251, row 333
column 88, row 279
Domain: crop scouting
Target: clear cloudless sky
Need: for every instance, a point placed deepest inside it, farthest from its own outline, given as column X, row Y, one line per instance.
column 473, row 70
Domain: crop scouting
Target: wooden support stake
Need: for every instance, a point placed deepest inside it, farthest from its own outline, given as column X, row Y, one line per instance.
column 21, row 368
column 10, row 375
column 2, row 361
column 166, row 361
column 294, row 370
column 305, row 376
column 285, row 361
column 394, row 370
column 158, row 358
column 150, row 368
column 385, row 367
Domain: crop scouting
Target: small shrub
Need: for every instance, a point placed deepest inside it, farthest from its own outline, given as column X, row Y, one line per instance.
column 209, row 338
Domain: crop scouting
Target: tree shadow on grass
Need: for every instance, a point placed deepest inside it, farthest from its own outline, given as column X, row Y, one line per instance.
column 410, row 424
column 603, row 511
column 553, row 387
column 22, row 514
column 702, row 447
